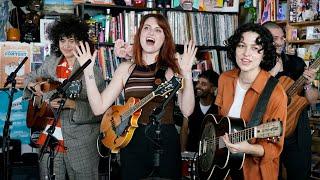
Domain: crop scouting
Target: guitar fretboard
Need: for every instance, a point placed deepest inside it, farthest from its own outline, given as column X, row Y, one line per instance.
column 137, row 106
column 297, row 85
column 236, row 137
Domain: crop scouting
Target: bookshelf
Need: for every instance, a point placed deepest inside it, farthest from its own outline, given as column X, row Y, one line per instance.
column 121, row 22
column 299, row 18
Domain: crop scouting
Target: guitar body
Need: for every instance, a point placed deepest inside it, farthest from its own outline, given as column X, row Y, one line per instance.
column 216, row 162
column 39, row 112
column 112, row 120
column 296, row 104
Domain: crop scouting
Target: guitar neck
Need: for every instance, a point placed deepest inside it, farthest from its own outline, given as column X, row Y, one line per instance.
column 239, row 136
column 298, row 84
column 139, row 105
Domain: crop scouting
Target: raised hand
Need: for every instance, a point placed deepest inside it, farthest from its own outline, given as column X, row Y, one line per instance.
column 83, row 54
column 188, row 57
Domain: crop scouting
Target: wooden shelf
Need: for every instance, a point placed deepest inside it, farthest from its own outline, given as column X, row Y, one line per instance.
column 305, row 23
column 133, row 8
column 282, row 22
column 304, row 41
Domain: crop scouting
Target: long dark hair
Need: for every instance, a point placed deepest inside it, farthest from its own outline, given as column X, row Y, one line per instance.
column 264, row 39
column 167, row 52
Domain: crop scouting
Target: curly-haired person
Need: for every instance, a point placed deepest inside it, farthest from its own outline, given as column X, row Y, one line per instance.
column 252, row 51
column 77, row 129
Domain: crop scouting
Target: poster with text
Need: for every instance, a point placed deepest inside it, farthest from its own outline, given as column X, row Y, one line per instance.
column 18, row 129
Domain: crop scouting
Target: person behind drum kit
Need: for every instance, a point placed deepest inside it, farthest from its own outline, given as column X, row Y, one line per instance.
column 205, row 97
column 252, row 51
column 76, row 155
column 153, row 47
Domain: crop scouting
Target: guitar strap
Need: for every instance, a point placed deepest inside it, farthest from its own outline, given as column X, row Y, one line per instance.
column 261, row 106
column 160, row 76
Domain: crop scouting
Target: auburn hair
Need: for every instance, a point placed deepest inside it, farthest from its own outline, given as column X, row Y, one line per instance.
column 167, row 52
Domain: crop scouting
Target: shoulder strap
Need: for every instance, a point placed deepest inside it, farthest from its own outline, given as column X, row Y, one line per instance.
column 261, row 106
column 160, row 76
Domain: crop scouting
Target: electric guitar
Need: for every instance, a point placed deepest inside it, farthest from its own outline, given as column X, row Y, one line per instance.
column 296, row 103
column 215, row 160
column 116, row 136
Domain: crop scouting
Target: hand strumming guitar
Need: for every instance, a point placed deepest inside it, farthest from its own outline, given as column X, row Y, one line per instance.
column 35, row 88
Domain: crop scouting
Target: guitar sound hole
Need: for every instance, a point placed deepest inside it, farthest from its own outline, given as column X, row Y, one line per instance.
column 207, row 158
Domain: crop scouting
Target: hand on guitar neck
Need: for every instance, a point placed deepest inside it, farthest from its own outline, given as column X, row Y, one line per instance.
column 243, row 147
column 69, row 104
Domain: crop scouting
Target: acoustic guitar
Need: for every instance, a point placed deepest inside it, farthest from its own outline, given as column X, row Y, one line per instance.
column 214, row 159
column 120, row 121
column 296, row 103
column 39, row 112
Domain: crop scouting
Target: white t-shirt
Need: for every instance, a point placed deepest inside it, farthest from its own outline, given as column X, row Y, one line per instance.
column 236, row 106
column 204, row 108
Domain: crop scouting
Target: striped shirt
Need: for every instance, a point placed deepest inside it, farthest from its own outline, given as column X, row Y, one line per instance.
column 139, row 85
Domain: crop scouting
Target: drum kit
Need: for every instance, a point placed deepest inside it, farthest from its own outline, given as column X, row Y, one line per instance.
column 188, row 167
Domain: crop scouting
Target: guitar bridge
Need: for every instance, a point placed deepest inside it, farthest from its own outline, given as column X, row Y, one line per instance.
column 202, row 147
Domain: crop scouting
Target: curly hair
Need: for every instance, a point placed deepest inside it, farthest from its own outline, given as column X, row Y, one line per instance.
column 211, row 76
column 68, row 26
column 265, row 39
column 167, row 52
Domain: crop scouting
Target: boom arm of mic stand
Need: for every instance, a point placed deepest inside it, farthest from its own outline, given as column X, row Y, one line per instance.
column 13, row 75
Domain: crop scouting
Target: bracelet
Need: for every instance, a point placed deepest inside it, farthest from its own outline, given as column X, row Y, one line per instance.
column 187, row 76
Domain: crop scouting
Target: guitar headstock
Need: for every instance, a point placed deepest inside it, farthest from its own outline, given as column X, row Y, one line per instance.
column 271, row 130
column 167, row 87
column 74, row 89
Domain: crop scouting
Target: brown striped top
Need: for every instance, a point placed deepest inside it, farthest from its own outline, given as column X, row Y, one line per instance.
column 139, row 85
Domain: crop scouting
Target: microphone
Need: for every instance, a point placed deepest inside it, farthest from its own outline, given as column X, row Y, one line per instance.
column 13, row 75
column 66, row 83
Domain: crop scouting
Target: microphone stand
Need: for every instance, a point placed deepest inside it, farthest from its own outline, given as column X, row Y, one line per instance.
column 6, row 128
column 51, row 141
column 155, row 118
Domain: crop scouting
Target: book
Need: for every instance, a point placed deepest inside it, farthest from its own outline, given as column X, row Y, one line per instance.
column 313, row 32
column 11, row 54
column 44, row 26
column 38, row 55
column 282, row 11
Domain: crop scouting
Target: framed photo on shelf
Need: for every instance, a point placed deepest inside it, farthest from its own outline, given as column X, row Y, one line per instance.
column 226, row 6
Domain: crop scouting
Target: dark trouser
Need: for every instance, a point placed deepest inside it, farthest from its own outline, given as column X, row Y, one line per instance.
column 137, row 158
column 296, row 153
column 296, row 161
